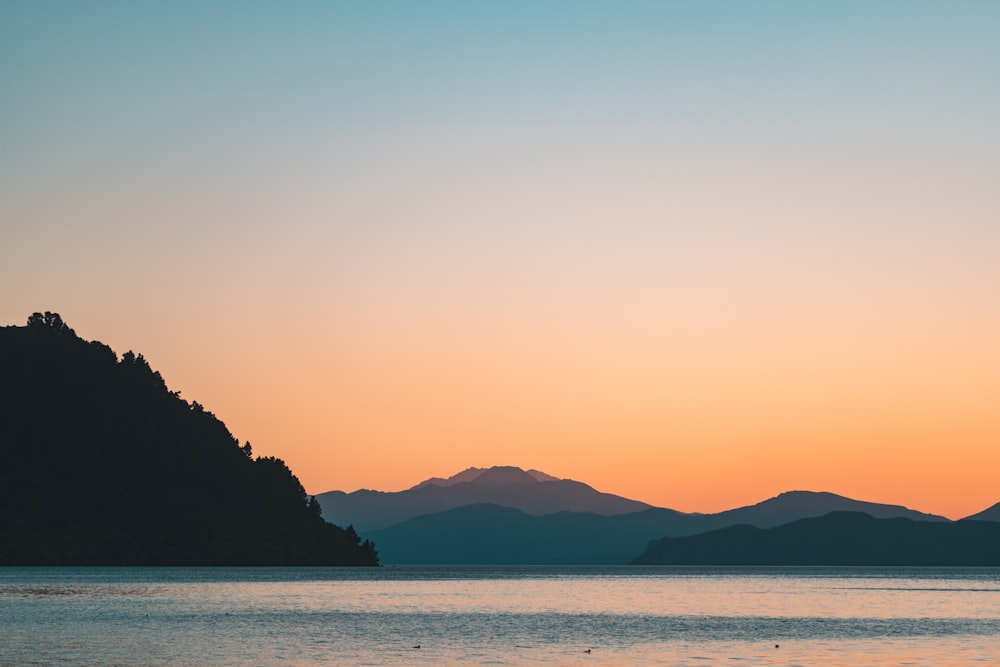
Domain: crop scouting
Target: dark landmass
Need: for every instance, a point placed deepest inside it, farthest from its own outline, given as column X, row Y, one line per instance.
column 531, row 492
column 988, row 514
column 103, row 465
column 839, row 539
column 489, row 534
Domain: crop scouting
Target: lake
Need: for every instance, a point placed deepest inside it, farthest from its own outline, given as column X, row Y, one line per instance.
column 676, row 616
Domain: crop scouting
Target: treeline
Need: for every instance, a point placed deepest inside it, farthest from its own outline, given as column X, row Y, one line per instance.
column 103, row 464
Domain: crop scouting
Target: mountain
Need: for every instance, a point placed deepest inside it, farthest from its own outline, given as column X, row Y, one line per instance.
column 496, row 476
column 839, row 539
column 794, row 505
column 104, row 465
column 532, row 492
column 989, row 514
column 483, row 534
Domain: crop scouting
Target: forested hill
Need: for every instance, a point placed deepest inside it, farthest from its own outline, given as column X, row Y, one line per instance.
column 103, row 464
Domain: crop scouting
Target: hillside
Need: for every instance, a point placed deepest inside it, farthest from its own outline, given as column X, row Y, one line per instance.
column 491, row 534
column 991, row 513
column 104, row 465
column 838, row 539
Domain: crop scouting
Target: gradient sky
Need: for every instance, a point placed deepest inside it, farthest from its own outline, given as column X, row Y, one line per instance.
column 694, row 253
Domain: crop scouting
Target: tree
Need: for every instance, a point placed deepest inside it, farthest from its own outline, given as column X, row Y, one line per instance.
column 50, row 323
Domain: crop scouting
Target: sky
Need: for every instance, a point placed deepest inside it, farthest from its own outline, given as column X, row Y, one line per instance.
column 692, row 253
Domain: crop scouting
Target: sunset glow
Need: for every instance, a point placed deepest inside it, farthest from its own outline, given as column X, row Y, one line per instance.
column 695, row 254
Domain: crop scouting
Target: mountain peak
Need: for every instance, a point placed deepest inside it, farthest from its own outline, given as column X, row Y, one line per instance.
column 495, row 476
column 800, row 495
column 530, row 491
column 504, row 476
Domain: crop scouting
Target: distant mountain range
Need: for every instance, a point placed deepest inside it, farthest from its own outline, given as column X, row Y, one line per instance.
column 532, row 492
column 488, row 533
column 508, row 515
column 838, row 538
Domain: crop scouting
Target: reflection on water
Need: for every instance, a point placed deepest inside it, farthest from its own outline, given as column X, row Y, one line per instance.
column 504, row 616
column 92, row 591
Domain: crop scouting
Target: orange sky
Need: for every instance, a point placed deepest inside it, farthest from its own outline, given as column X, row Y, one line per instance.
column 693, row 254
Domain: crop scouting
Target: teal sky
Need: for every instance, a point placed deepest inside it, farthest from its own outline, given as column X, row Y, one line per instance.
column 319, row 212
column 350, row 123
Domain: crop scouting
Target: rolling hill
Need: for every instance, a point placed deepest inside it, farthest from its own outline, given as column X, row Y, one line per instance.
column 794, row 505
column 491, row 534
column 836, row 539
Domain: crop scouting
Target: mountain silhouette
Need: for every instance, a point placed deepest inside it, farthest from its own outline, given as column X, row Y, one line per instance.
column 104, row 465
column 488, row 534
column 991, row 513
column 495, row 476
column 531, row 492
column 793, row 505
column 839, row 539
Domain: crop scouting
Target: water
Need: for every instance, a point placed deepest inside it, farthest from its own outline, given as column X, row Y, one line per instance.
column 305, row 617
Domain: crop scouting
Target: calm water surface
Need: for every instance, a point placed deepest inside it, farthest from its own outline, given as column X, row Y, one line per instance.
column 306, row 617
